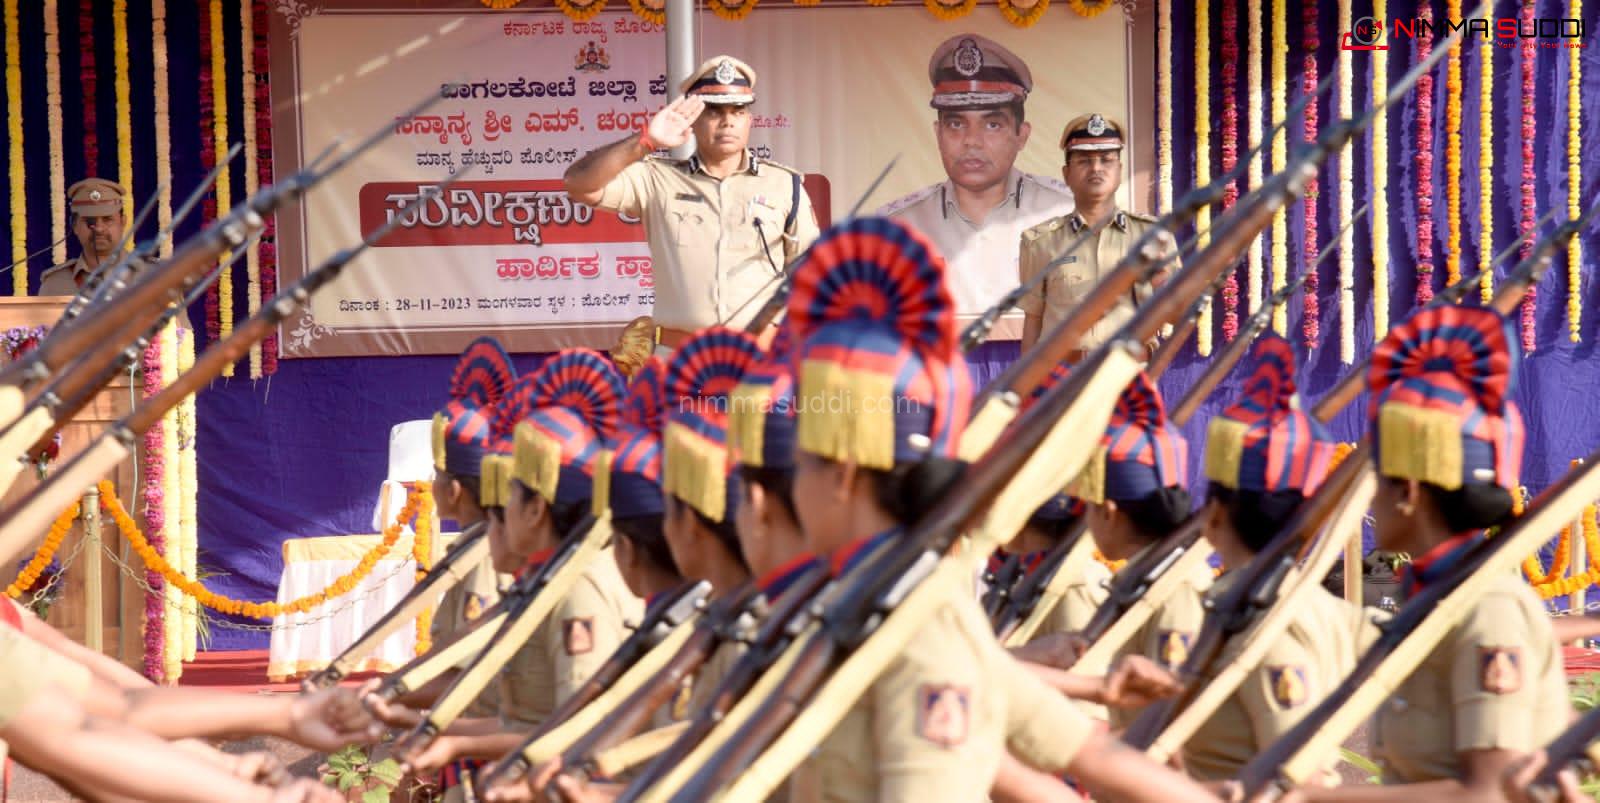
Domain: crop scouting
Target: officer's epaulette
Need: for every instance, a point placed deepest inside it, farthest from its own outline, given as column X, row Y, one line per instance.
column 782, row 166
column 1142, row 218
column 901, row 203
column 670, row 161
column 1038, row 230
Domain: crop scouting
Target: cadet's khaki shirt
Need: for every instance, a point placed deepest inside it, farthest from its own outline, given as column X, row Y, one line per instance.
column 1169, row 633
column 705, row 248
column 27, row 668
column 981, row 257
column 1495, row 682
column 62, row 280
column 1067, row 283
column 460, row 606
column 1078, row 601
column 570, row 645
column 935, row 724
column 1312, row 656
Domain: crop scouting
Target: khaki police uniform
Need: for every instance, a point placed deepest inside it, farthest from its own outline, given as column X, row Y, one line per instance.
column 570, row 645
column 1495, row 682
column 1170, row 632
column 458, row 608
column 969, row 72
column 1066, row 284
column 94, row 197
column 1078, row 601
column 710, row 239
column 1308, row 661
column 935, row 725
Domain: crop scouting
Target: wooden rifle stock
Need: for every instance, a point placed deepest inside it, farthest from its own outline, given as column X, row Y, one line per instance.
column 1038, row 594
column 1576, row 748
column 1002, row 581
column 470, row 547
column 772, row 636
column 577, row 761
column 443, row 656
column 1405, row 641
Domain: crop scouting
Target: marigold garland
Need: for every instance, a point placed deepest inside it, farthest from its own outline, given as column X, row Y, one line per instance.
column 1252, row 96
column 418, row 506
column 52, row 94
column 1452, row 153
column 124, row 107
column 655, row 16
column 188, row 486
column 163, row 121
column 219, row 137
column 1089, row 9
column 172, row 512
column 422, row 555
column 47, row 551
column 1163, row 105
column 1574, row 183
column 267, row 243
column 1230, row 151
column 1022, row 18
column 586, row 11
column 1530, row 301
column 1380, row 190
column 208, row 154
column 941, row 10
column 1310, row 306
column 1202, row 147
column 88, row 80
column 1485, row 171
column 1347, row 237
column 500, row 5
column 1114, row 565
column 1424, row 157
column 19, row 195
column 153, row 498
column 1280, row 156
column 252, row 259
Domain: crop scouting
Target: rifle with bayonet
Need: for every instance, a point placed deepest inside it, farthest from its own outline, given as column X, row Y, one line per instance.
column 1257, row 611
column 468, row 551
column 24, row 520
column 1577, row 748
column 529, row 602
column 889, row 595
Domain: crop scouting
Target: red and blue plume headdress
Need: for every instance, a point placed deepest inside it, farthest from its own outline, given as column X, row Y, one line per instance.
column 559, row 448
column 704, row 371
column 494, row 485
column 1141, row 453
column 482, row 375
column 1441, row 385
column 1264, row 442
column 880, row 375
column 642, row 408
column 761, row 411
column 636, row 458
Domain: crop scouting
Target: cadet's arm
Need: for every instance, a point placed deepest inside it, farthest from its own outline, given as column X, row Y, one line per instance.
column 1032, row 325
column 1078, row 687
column 1568, row 629
column 99, row 664
column 1480, row 783
column 326, row 720
column 1017, row 782
column 587, row 178
column 1112, row 771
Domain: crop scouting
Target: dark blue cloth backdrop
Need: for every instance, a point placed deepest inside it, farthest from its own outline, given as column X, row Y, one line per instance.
column 302, row 453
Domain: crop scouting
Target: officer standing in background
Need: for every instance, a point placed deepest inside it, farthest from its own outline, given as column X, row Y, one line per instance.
column 720, row 224
column 98, row 225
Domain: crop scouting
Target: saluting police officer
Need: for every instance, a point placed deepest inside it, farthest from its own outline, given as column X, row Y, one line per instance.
column 720, row 224
column 1093, row 147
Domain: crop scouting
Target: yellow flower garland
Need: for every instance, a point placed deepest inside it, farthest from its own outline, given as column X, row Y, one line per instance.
column 733, row 12
column 419, row 505
column 1202, row 146
column 1252, row 66
column 1485, row 167
column 422, row 553
column 1452, row 153
column 1574, row 183
column 1088, row 9
column 172, row 510
column 188, row 530
column 19, row 193
column 47, row 550
column 941, row 10
column 1163, row 105
column 1347, row 235
column 252, row 259
column 163, row 121
column 581, row 12
column 119, row 19
column 1280, row 157
column 52, row 94
column 1022, row 18
column 500, row 5
column 1380, row 190
column 655, row 16
column 219, row 140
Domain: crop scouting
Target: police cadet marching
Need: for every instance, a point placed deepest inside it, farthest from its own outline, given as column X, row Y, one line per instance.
column 1092, row 145
column 461, row 437
column 720, row 224
column 938, row 722
column 1448, row 450
column 975, row 216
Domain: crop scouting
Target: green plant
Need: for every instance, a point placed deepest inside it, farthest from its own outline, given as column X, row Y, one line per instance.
column 1584, row 691
column 351, row 772
column 1361, row 762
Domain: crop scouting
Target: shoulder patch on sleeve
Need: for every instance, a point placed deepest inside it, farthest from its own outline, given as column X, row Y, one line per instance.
column 1173, row 647
column 577, row 635
column 944, row 712
column 1501, row 669
column 1288, row 684
column 900, row 204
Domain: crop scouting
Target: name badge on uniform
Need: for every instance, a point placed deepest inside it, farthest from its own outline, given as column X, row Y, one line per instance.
column 577, row 635
column 1066, row 260
column 1288, row 685
column 689, row 196
column 1502, row 669
column 943, row 713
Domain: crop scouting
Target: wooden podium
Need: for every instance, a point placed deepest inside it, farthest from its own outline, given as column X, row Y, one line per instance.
column 121, row 608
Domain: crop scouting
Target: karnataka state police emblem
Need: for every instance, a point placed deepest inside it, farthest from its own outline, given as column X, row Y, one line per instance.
column 1501, row 669
column 726, row 72
column 969, row 59
column 1174, row 647
column 577, row 635
column 943, row 713
column 1288, row 685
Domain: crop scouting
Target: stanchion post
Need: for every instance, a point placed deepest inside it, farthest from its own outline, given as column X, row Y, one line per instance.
column 93, row 615
column 1579, row 564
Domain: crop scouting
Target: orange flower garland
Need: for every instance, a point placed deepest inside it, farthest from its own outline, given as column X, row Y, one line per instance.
column 419, row 505
column 422, row 553
column 1114, row 565
column 47, row 550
